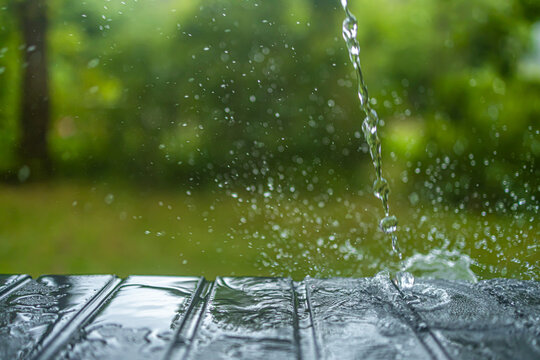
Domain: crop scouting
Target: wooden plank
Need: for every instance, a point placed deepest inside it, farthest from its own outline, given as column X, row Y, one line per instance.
column 491, row 319
column 33, row 314
column 160, row 317
column 359, row 319
column 138, row 321
column 247, row 318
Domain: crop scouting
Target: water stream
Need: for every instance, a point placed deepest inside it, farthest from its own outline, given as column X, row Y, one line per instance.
column 381, row 189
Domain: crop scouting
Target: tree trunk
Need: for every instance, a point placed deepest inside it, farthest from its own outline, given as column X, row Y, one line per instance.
column 35, row 113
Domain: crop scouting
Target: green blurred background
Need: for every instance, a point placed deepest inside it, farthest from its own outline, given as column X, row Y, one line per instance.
column 224, row 138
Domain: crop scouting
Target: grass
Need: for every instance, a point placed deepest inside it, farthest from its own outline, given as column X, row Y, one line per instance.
column 80, row 228
column 77, row 229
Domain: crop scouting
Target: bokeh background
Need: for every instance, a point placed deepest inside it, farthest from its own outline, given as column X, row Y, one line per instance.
column 224, row 137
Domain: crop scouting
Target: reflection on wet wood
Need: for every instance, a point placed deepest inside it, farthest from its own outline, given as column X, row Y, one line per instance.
column 167, row 317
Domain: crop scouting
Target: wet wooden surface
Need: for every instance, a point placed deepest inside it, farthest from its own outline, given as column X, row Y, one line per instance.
column 166, row 317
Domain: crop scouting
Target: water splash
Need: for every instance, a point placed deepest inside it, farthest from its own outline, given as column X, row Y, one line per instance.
column 370, row 125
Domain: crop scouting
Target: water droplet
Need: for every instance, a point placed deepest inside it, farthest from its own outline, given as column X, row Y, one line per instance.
column 109, row 198
column 388, row 224
column 93, row 63
column 380, row 188
column 404, row 281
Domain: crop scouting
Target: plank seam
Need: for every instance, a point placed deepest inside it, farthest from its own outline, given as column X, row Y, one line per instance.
column 55, row 344
column 208, row 298
column 311, row 317
column 296, row 325
column 419, row 319
column 15, row 285
column 192, row 302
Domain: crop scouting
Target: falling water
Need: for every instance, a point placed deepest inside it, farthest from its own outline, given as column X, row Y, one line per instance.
column 380, row 188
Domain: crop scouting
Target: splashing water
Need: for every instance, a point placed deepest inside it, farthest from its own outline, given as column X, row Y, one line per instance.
column 381, row 188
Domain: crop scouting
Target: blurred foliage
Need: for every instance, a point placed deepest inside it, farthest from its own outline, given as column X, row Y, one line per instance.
column 254, row 102
column 196, row 92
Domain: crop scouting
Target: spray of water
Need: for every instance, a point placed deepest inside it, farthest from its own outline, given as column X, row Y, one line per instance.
column 381, row 189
